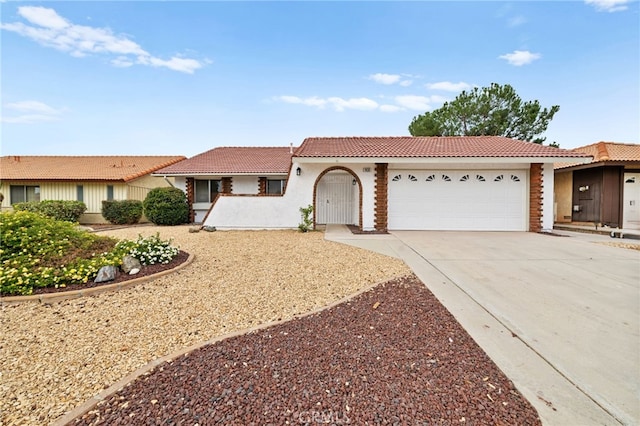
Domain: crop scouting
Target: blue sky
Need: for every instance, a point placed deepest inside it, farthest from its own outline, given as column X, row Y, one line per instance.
column 146, row 77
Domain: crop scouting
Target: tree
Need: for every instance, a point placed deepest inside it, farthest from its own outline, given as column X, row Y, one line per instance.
column 489, row 111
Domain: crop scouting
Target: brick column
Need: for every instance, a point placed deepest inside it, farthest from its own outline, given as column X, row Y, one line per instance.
column 226, row 185
column 191, row 198
column 381, row 199
column 536, row 184
column 262, row 186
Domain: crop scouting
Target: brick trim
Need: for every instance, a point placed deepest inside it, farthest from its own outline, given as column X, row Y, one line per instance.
column 536, row 186
column 262, row 186
column 191, row 198
column 227, row 185
column 359, row 183
column 381, row 202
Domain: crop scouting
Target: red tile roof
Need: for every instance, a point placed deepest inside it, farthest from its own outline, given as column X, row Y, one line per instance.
column 419, row 146
column 82, row 168
column 607, row 152
column 234, row 160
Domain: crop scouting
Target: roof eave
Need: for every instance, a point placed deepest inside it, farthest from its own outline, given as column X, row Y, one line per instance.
column 440, row 160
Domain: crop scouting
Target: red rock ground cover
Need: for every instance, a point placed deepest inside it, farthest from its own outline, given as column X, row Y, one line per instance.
column 392, row 355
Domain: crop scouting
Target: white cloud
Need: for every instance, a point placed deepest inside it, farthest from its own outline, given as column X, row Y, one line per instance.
column 520, row 57
column 421, row 103
column 385, row 78
column 608, row 5
column 337, row 103
column 516, row 21
column 52, row 30
column 32, row 112
column 448, row 86
column 388, row 79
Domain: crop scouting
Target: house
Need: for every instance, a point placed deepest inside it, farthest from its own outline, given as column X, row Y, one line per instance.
column 377, row 183
column 259, row 171
column 90, row 179
column 604, row 191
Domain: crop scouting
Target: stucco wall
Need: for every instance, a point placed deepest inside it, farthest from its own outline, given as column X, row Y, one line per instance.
column 562, row 195
column 247, row 211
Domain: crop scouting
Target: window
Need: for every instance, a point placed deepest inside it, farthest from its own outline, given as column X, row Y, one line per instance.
column 396, row 178
column 206, row 190
column 515, row 178
column 275, row 186
column 632, row 179
column 480, row 178
column 412, row 178
column 430, row 178
column 499, row 178
column 446, row 178
column 464, row 178
column 22, row 193
column 80, row 193
column 110, row 192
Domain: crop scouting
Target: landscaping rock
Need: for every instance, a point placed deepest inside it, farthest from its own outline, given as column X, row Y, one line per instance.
column 194, row 229
column 106, row 273
column 209, row 228
column 134, row 271
column 129, row 262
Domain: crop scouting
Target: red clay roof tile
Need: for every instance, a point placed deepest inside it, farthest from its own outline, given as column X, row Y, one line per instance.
column 419, row 146
column 82, row 168
column 234, row 160
column 607, row 152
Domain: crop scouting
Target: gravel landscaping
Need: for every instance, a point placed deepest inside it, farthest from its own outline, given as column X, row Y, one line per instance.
column 56, row 356
column 392, row 355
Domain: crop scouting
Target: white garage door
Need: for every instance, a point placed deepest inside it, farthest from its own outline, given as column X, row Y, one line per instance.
column 458, row 200
column 631, row 201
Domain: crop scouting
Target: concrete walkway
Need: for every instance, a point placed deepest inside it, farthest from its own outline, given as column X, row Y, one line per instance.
column 560, row 315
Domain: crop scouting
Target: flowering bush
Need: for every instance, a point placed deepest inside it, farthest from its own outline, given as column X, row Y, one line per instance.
column 38, row 252
column 150, row 250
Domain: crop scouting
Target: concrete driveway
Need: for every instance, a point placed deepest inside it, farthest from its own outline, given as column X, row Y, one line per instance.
column 560, row 315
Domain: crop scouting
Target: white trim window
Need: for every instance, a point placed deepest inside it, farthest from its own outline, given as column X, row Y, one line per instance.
column 275, row 186
column 205, row 191
column 23, row 193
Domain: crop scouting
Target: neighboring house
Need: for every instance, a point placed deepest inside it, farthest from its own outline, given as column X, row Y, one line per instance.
column 378, row 183
column 90, row 179
column 230, row 170
column 605, row 191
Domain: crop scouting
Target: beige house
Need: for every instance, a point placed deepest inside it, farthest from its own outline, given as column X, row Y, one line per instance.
column 90, row 179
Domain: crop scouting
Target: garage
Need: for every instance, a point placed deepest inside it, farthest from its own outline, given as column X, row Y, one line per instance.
column 461, row 200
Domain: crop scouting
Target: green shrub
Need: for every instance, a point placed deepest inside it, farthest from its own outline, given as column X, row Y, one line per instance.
column 166, row 206
column 125, row 212
column 69, row 211
column 38, row 251
column 305, row 215
column 150, row 250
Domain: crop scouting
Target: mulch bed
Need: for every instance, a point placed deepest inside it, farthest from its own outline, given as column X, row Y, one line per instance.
column 392, row 355
column 147, row 270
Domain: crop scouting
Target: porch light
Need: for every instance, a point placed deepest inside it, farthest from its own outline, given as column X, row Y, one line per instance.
column 353, row 182
column 298, row 171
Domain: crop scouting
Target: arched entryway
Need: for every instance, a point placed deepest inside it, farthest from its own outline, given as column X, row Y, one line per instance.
column 338, row 197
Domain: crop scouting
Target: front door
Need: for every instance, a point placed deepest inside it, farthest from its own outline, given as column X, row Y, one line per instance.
column 631, row 201
column 335, row 199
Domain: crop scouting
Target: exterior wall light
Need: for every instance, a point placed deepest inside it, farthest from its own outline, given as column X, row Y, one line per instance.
column 298, row 171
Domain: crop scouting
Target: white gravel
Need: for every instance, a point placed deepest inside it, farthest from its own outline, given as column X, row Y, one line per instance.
column 54, row 357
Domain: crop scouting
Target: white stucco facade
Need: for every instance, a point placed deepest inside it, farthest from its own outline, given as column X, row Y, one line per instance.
column 265, row 212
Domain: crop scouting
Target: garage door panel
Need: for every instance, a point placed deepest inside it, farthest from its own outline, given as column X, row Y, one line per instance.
column 457, row 200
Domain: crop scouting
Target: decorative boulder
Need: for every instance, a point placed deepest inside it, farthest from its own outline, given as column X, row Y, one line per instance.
column 106, row 273
column 134, row 271
column 194, row 229
column 209, row 228
column 129, row 262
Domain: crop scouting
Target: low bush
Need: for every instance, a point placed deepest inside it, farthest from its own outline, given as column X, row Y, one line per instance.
column 69, row 211
column 38, row 251
column 124, row 212
column 166, row 206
